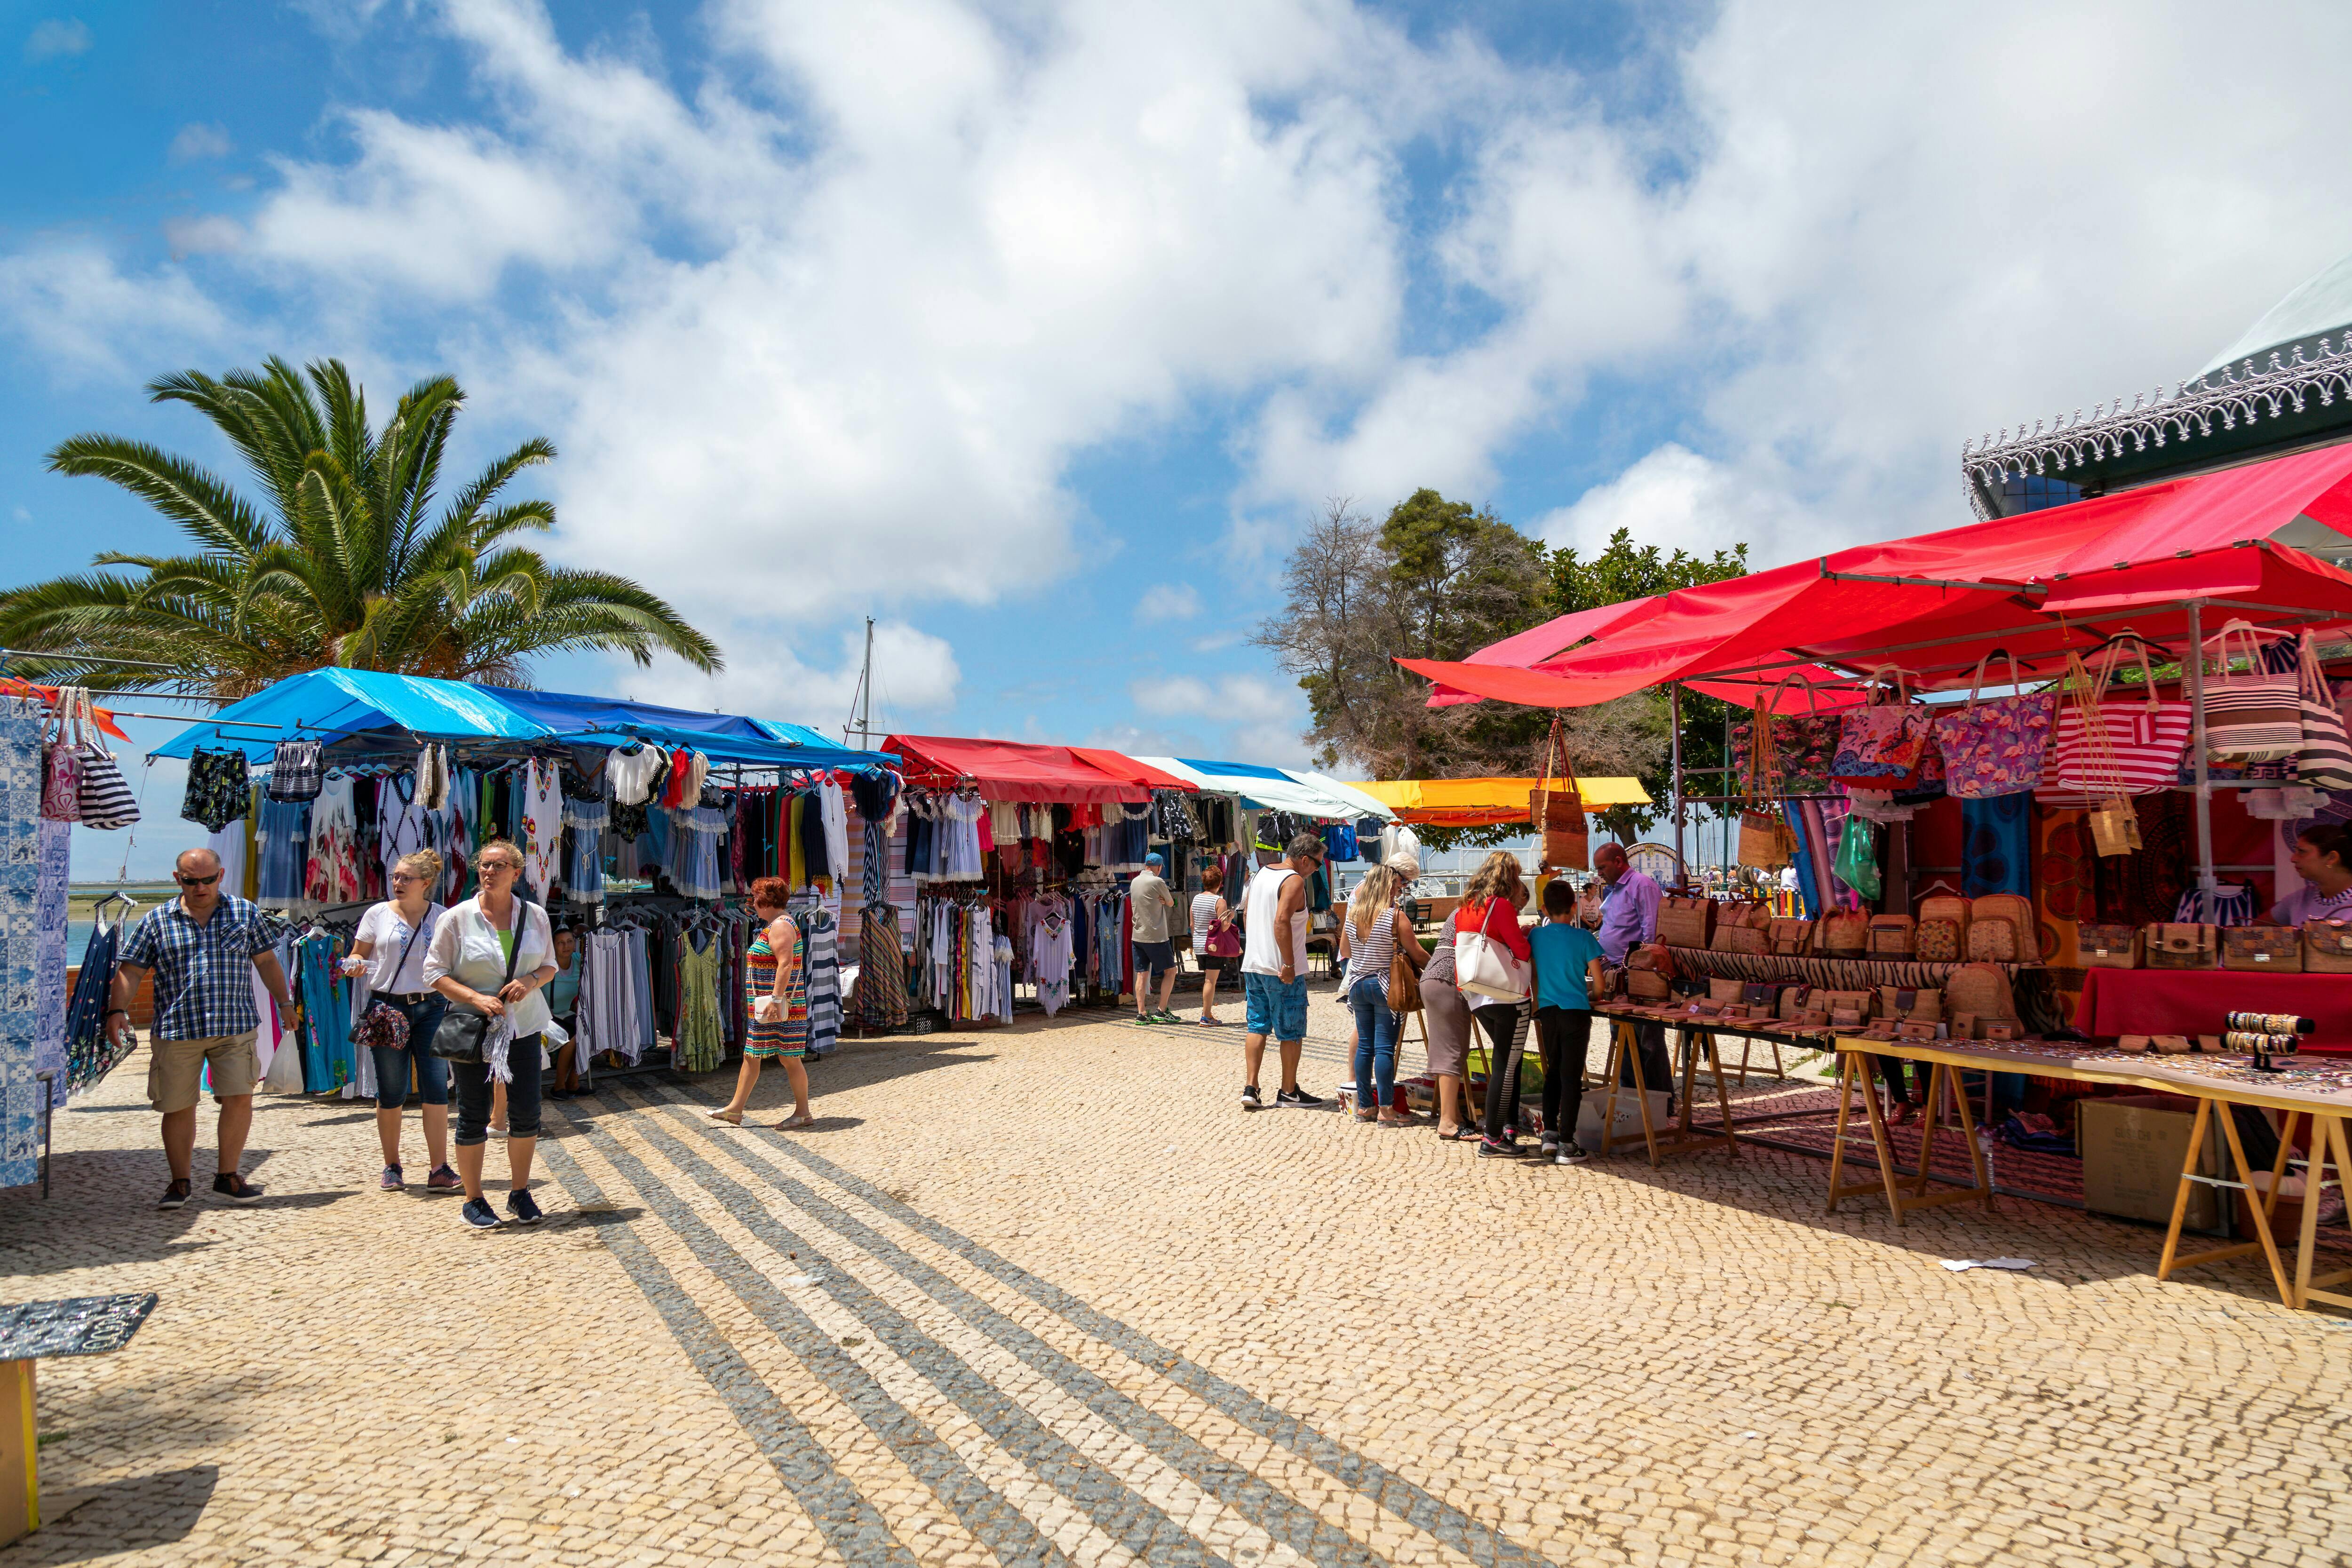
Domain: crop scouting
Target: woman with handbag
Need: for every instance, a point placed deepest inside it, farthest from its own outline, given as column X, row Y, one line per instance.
column 1491, row 959
column 491, row 957
column 1375, row 933
column 775, row 985
column 391, row 948
column 1216, row 942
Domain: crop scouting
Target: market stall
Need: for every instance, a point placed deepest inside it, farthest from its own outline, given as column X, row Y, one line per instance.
column 641, row 826
column 1491, row 802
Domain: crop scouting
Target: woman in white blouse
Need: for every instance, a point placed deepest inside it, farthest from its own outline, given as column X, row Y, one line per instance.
column 393, row 942
column 468, row 965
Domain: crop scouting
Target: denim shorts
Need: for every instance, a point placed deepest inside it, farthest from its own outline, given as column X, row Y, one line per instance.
column 423, row 1018
column 1275, row 1008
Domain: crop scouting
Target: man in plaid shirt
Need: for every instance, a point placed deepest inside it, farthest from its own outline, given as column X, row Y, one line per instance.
column 204, row 948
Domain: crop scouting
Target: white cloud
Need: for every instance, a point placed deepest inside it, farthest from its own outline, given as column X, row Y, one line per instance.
column 915, row 673
column 1257, row 721
column 1675, row 500
column 55, row 38
column 203, row 235
column 200, row 140
column 86, row 319
column 1169, row 602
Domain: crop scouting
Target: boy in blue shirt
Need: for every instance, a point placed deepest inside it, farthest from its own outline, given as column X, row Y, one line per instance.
column 1563, row 1017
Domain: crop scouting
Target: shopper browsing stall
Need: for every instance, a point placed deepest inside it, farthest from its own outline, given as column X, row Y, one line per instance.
column 1213, row 928
column 1376, row 929
column 1562, row 950
column 204, row 947
column 1150, row 904
column 1491, row 901
column 391, row 947
column 1274, row 969
column 492, row 956
column 1629, row 917
column 776, row 988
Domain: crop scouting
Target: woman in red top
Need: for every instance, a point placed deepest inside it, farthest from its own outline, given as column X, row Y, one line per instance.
column 1491, row 902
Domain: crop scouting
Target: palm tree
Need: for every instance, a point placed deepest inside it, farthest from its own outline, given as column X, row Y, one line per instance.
column 346, row 563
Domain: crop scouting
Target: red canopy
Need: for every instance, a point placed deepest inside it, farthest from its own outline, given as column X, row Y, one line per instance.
column 1009, row 770
column 2037, row 584
column 1128, row 770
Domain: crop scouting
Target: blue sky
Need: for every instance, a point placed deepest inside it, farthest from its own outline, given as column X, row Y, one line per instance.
column 1037, row 331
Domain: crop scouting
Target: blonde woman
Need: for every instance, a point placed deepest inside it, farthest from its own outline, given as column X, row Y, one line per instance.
column 495, row 954
column 394, row 941
column 1375, row 929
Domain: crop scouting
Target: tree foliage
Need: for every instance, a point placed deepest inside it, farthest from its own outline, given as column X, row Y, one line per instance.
column 1440, row 579
column 343, row 560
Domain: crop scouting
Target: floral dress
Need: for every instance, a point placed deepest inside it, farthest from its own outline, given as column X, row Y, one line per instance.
column 787, row 1036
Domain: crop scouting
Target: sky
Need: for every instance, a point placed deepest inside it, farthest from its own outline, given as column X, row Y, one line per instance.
column 1037, row 331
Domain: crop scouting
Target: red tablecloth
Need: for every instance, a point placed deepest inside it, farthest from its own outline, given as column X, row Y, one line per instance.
column 2193, row 1002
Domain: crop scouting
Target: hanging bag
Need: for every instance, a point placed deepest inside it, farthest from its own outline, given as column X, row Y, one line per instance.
column 1404, row 977
column 61, row 762
column 1857, row 857
column 1884, row 745
column 459, row 1037
column 2100, row 749
column 1797, row 749
column 1559, row 814
column 2256, row 717
column 1996, row 745
column 2326, row 760
column 104, row 796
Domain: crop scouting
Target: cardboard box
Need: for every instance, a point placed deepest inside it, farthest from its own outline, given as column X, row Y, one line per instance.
column 1628, row 1119
column 2132, row 1149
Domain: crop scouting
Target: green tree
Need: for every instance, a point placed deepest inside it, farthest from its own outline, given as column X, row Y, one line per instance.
column 1622, row 571
column 343, row 561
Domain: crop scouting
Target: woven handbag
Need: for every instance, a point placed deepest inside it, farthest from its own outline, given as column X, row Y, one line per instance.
column 1981, row 989
column 2276, row 950
column 1936, row 942
column 2256, row 717
column 1923, row 1007
column 1685, row 920
column 1996, row 745
column 1892, row 936
column 1559, row 814
column 2183, row 944
column 1766, row 840
column 1789, row 937
column 1845, row 934
column 2327, row 947
column 2326, row 760
column 2106, row 946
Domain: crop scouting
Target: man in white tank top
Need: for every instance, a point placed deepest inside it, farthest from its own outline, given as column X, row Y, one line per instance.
column 1273, row 969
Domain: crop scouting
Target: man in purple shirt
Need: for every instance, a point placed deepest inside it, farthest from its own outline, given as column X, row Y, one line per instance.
column 1629, row 917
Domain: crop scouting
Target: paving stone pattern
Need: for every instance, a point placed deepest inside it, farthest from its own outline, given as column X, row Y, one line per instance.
column 1046, row 1295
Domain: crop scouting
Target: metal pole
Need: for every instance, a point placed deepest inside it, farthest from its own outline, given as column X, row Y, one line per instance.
column 2207, row 885
column 1674, row 722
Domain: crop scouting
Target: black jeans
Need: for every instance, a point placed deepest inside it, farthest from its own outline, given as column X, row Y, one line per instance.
column 1564, row 1033
column 523, row 1095
column 1658, row 1068
column 1501, row 1022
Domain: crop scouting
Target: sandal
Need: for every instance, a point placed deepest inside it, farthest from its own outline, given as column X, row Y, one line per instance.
column 794, row 1123
column 1399, row 1118
column 1367, row 1115
column 719, row 1114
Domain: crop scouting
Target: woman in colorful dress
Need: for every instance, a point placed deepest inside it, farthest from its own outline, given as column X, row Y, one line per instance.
column 775, row 986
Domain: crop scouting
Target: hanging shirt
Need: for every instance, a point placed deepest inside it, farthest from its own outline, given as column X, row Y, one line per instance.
column 634, row 773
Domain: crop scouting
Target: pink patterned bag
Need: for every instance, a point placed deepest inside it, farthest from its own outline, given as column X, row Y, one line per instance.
column 1996, row 745
column 61, row 766
column 1885, row 745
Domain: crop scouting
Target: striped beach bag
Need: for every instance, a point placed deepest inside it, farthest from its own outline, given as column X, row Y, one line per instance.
column 2256, row 717
column 105, row 795
column 2100, row 748
column 2326, row 760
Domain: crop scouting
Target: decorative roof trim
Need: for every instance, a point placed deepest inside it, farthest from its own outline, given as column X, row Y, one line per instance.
column 2230, row 397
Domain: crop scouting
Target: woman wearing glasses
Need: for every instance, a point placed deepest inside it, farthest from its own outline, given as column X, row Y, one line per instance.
column 390, row 949
column 477, row 946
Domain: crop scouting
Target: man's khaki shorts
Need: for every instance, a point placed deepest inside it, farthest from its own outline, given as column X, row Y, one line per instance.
column 174, row 1069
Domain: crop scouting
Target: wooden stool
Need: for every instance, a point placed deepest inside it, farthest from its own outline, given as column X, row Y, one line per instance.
column 81, row 1325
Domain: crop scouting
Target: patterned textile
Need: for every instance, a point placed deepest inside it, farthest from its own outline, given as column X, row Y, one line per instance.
column 878, row 1000
column 1834, row 974
column 824, row 982
column 90, row 1052
column 701, row 1043
column 1996, row 746
column 56, row 873
column 2065, row 893
column 218, row 789
column 1996, row 850
column 787, row 1036
column 20, row 806
column 294, row 772
column 203, row 974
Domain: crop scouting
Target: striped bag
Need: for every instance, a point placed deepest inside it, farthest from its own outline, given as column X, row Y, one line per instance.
column 106, row 799
column 2256, row 717
column 2326, row 760
column 2100, row 749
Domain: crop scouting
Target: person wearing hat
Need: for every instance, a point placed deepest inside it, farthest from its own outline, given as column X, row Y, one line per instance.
column 1150, row 904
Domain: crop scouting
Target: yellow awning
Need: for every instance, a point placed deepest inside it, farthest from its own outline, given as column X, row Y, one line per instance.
column 1475, row 803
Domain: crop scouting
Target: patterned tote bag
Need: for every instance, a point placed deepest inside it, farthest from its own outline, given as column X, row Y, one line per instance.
column 1801, row 744
column 2326, row 760
column 2099, row 748
column 2256, row 717
column 1996, row 745
column 1884, row 744
column 105, row 796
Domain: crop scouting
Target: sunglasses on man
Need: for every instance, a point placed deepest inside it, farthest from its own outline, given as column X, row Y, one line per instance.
column 187, row 882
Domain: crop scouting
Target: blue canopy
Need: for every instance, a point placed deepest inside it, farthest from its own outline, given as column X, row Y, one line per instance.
column 334, row 705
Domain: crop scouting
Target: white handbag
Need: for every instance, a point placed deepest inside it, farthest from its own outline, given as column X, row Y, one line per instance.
column 1484, row 967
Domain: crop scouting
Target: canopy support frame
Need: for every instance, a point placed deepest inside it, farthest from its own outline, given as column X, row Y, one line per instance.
column 2193, row 670
column 1674, row 727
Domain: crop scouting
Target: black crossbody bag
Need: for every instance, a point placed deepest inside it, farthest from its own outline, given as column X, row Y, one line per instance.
column 459, row 1037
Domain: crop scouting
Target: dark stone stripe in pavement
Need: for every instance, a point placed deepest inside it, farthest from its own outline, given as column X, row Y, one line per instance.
column 994, row 1521
column 846, row 1520
column 1402, row 1498
column 1281, row 1516
column 1140, row 1525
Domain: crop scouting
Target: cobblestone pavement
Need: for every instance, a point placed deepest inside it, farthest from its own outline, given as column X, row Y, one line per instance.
column 1046, row 1295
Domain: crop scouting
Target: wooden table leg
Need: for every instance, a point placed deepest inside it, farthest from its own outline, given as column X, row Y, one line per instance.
column 2314, row 1186
column 1722, row 1093
column 1837, row 1142
column 2328, row 1131
column 2197, row 1129
column 1642, row 1096
column 1619, row 1034
column 2262, row 1220
column 1968, row 1136
column 1865, row 1065
column 20, row 1449
column 1937, row 1080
